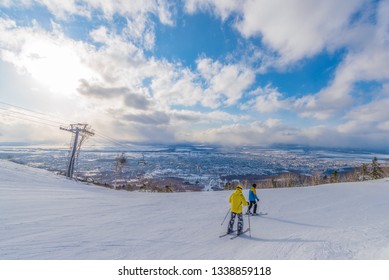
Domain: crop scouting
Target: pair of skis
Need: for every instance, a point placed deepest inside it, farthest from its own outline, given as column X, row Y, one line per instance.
column 258, row 214
column 235, row 236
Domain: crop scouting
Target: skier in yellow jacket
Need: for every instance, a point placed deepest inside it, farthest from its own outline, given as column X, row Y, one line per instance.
column 236, row 200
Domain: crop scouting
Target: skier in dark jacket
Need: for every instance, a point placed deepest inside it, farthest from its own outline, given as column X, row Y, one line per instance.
column 253, row 198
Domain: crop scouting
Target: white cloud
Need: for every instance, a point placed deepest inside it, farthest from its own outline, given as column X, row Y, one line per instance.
column 325, row 104
column 365, row 66
column 137, row 101
column 273, row 123
column 267, row 99
column 189, row 118
column 225, row 83
column 384, row 126
column 300, row 29
column 297, row 28
column 174, row 85
column 130, row 9
column 370, row 118
column 50, row 58
column 118, row 83
column 222, row 8
column 213, row 85
column 372, row 112
column 14, row 130
column 364, row 63
column 149, row 119
column 255, row 133
column 140, row 29
column 97, row 90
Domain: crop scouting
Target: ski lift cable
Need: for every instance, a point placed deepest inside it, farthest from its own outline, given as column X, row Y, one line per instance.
column 46, row 121
column 14, row 113
column 63, row 121
column 27, row 119
column 117, row 142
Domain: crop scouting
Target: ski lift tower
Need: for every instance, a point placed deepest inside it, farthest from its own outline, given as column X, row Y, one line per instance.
column 80, row 133
column 142, row 161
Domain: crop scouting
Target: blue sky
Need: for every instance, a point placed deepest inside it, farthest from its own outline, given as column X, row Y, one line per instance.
column 205, row 71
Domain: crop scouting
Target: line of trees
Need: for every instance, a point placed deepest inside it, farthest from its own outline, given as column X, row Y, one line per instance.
column 365, row 172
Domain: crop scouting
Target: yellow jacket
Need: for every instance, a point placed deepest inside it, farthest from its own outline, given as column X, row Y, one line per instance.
column 236, row 200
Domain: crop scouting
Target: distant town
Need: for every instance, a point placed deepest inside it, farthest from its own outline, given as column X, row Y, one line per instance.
column 203, row 168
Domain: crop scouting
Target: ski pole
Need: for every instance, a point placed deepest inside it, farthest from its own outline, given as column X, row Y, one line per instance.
column 248, row 216
column 225, row 217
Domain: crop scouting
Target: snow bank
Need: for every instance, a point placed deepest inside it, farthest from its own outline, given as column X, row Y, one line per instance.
column 44, row 216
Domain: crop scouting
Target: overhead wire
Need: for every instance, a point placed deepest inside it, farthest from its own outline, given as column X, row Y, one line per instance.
column 27, row 119
column 36, row 112
column 13, row 112
column 112, row 140
column 47, row 120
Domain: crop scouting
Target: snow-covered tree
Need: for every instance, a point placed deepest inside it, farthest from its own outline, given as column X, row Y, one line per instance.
column 376, row 170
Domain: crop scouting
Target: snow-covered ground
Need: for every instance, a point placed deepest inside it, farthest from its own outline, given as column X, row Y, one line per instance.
column 44, row 216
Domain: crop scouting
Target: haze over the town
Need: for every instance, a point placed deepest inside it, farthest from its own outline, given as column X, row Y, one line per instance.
column 216, row 72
